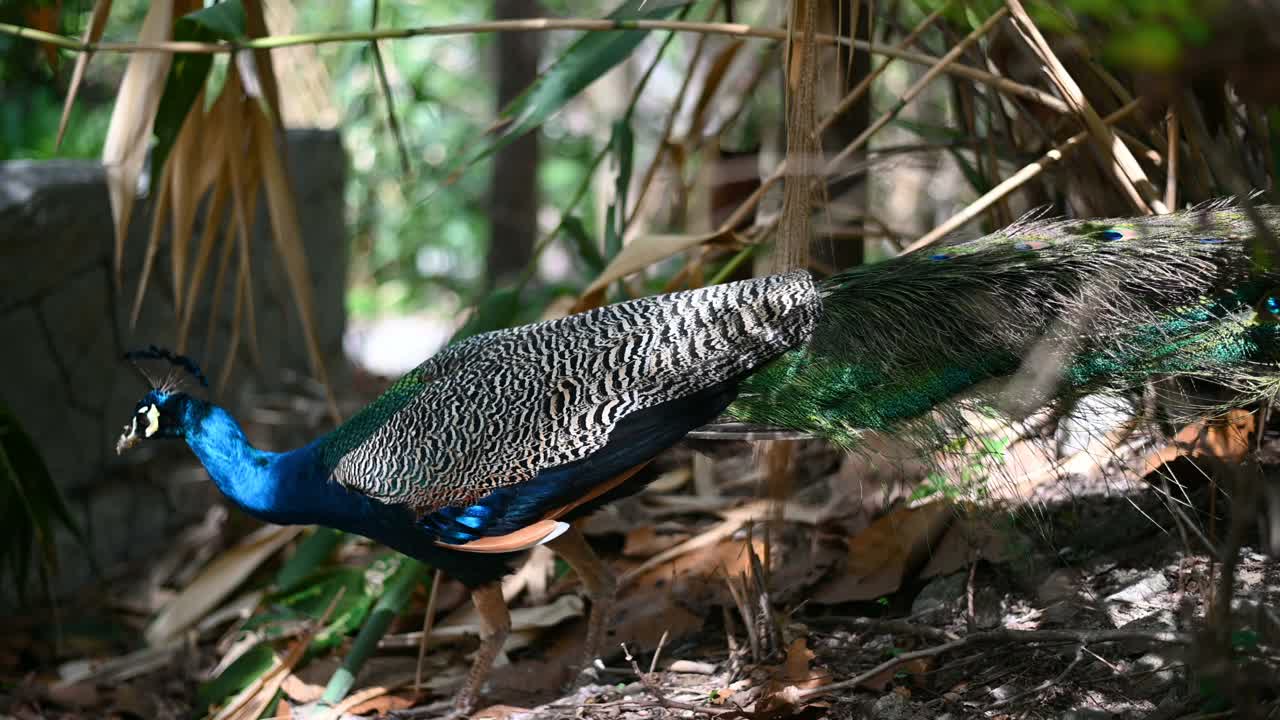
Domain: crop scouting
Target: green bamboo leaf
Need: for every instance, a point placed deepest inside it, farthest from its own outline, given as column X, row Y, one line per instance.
column 498, row 310
column 17, row 533
column 189, row 71
column 612, row 240
column 311, row 552
column 623, row 143
column 38, row 485
column 31, row 506
column 934, row 133
column 1273, row 124
column 400, row 583
column 585, row 61
column 588, row 253
column 355, row 589
column 238, row 675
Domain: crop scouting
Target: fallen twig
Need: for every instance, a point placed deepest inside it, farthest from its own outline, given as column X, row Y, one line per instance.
column 663, row 701
column 1083, row 637
column 898, row 627
column 1044, row 685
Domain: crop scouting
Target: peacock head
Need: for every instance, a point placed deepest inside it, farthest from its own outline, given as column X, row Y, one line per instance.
column 163, row 411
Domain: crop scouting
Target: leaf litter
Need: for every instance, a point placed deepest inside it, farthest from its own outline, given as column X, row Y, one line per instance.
column 878, row 598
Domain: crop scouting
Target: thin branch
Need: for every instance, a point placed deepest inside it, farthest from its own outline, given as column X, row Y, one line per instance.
column 394, row 122
column 748, row 205
column 428, row 620
column 943, row 63
column 1015, row 181
column 665, row 143
column 666, row 702
column 1044, row 685
column 1174, row 127
column 1082, row 637
column 566, row 215
column 898, row 627
column 65, row 42
column 1123, row 165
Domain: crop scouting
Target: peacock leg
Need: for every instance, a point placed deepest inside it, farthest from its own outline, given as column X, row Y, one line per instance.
column 495, row 623
column 599, row 583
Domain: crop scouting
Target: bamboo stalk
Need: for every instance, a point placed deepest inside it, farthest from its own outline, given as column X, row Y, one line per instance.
column 1171, row 177
column 845, row 103
column 1015, row 181
column 398, row 590
column 917, row 88
column 1124, row 166
column 667, row 129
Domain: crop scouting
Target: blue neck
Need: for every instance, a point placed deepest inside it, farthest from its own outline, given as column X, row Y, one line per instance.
column 295, row 487
column 287, row 488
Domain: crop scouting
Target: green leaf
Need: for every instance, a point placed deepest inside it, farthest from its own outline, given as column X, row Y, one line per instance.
column 188, row 72
column 30, row 503
column 1244, row 640
column 1146, row 47
column 313, row 594
column 934, row 133
column 238, row 675
column 588, row 253
column 623, row 142
column 612, row 240
column 498, row 310
column 975, row 178
column 17, row 533
column 225, row 20
column 403, row 576
column 312, row 551
column 584, row 62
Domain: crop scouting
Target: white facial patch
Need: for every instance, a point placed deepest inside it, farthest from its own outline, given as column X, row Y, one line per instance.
column 153, row 420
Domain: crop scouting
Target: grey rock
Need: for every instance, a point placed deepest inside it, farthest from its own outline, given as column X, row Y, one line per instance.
column 74, row 451
column 52, row 220
column 82, row 337
column 1155, row 620
column 1154, row 675
column 1087, row 714
column 892, row 706
column 1144, row 590
column 1092, row 417
column 65, row 329
column 1138, row 599
column 33, row 390
column 1061, row 584
column 939, row 596
column 989, row 608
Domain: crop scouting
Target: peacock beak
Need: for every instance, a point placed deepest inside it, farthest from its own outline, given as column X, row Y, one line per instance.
column 145, row 423
column 127, row 440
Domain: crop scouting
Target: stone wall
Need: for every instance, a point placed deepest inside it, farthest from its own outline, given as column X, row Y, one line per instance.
column 65, row 326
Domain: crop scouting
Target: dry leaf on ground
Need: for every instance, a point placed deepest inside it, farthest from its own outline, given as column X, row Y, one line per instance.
column 218, row 580
column 883, row 555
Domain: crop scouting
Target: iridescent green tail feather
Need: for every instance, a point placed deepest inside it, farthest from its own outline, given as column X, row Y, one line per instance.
column 1077, row 307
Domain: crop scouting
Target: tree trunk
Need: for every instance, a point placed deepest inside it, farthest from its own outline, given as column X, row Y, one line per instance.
column 848, row 196
column 513, row 190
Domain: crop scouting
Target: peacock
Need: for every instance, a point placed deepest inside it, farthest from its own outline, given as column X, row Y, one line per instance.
column 498, row 443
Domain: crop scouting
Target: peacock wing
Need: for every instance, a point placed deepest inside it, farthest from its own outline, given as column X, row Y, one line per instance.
column 517, row 413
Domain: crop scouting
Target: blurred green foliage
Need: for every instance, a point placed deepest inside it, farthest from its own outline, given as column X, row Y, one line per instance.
column 418, row 242
column 421, row 241
column 1149, row 35
column 32, row 508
